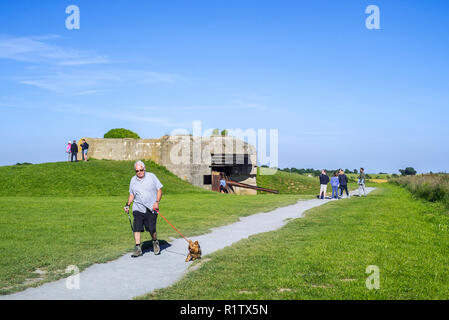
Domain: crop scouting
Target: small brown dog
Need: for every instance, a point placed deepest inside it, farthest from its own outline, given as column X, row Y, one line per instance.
column 194, row 251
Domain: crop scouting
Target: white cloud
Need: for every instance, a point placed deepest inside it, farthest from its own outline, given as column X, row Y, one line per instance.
column 90, row 82
column 70, row 82
column 124, row 116
column 49, row 68
column 37, row 50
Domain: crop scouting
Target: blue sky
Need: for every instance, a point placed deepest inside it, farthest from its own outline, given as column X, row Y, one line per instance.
column 339, row 94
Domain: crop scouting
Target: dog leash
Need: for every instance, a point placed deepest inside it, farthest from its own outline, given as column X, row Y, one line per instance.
column 171, row 225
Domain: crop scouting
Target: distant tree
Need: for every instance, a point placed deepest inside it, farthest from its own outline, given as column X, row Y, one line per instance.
column 120, row 133
column 224, row 133
column 355, row 171
column 348, row 171
column 394, row 175
column 216, row 132
column 409, row 171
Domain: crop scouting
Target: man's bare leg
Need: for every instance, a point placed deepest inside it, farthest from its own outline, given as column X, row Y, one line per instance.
column 137, row 237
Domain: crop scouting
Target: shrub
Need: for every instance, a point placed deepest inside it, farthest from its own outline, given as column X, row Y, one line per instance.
column 121, row 133
column 430, row 187
column 409, row 171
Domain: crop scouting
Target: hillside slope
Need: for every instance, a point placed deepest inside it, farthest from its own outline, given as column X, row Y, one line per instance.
column 288, row 183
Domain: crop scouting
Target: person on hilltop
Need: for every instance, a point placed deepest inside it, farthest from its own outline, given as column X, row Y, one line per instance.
column 74, row 150
column 324, row 180
column 145, row 190
column 85, row 148
column 223, row 188
column 343, row 179
column 361, row 182
column 335, row 183
column 68, row 150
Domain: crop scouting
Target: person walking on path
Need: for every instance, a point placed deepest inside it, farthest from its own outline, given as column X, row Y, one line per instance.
column 335, row 183
column 74, row 150
column 361, row 182
column 68, row 150
column 324, row 180
column 343, row 179
column 85, row 148
column 145, row 190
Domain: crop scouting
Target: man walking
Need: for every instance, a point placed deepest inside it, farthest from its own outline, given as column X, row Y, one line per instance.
column 145, row 190
column 362, row 182
column 343, row 179
column 324, row 180
column 74, row 149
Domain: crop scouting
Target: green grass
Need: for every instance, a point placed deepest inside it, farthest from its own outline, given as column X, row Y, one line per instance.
column 325, row 255
column 92, row 178
column 288, row 183
column 294, row 183
column 59, row 214
column 431, row 187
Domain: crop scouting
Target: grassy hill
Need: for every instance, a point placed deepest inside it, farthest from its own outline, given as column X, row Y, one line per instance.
column 288, row 183
column 92, row 178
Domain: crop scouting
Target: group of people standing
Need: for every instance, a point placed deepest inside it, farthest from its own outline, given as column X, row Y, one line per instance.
column 339, row 180
column 72, row 150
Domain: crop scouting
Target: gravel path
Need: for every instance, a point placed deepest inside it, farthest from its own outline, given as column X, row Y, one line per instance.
column 128, row 277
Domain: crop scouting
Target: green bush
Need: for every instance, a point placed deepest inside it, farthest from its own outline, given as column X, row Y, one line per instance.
column 409, row 171
column 120, row 133
column 430, row 187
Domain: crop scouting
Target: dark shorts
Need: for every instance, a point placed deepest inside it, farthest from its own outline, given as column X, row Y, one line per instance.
column 147, row 219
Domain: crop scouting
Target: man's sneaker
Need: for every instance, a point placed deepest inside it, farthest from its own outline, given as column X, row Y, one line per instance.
column 137, row 252
column 156, row 248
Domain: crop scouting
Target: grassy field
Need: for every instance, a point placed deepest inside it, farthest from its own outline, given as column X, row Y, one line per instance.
column 294, row 183
column 288, row 183
column 326, row 254
column 93, row 178
column 59, row 214
column 431, row 187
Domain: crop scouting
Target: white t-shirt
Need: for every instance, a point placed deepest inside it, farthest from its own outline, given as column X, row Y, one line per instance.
column 144, row 191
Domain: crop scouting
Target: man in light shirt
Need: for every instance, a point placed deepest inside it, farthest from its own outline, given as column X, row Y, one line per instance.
column 145, row 190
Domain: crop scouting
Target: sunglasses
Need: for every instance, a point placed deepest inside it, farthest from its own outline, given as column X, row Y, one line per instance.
column 140, row 170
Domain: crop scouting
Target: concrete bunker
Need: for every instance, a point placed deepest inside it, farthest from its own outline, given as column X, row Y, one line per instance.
column 198, row 160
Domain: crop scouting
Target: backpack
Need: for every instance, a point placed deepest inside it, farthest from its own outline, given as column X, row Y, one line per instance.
column 68, row 149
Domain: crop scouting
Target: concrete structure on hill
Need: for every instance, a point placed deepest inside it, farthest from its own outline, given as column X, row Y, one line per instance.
column 198, row 160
